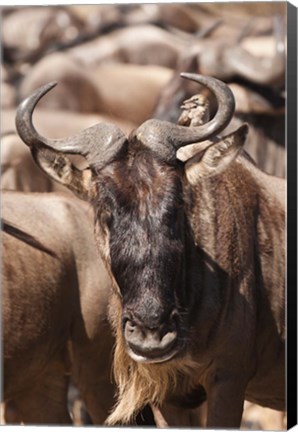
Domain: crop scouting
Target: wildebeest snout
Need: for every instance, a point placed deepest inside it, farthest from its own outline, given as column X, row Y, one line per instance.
column 151, row 344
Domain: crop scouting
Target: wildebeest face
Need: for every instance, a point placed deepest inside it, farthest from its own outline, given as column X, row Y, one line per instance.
column 141, row 207
column 135, row 185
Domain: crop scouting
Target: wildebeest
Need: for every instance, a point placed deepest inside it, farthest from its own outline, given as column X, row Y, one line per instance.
column 55, row 292
column 106, row 89
column 18, row 170
column 265, row 114
column 255, row 69
column 28, row 31
column 195, row 250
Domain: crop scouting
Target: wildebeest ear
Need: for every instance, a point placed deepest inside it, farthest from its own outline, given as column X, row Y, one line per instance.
column 216, row 156
column 60, row 168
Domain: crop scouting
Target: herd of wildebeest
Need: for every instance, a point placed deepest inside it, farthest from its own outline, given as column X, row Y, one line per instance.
column 143, row 214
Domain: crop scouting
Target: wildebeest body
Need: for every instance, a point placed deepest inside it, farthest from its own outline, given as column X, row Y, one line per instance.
column 55, row 296
column 195, row 252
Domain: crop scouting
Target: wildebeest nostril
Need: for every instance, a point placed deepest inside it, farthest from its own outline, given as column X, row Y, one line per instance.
column 133, row 333
column 130, row 327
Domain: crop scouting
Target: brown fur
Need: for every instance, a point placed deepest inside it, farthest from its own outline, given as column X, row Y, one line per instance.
column 54, row 309
column 195, row 301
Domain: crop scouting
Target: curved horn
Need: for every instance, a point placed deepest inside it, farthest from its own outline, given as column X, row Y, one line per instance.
column 99, row 143
column 165, row 137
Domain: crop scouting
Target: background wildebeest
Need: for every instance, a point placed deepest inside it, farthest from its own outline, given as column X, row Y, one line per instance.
column 54, row 295
column 142, row 48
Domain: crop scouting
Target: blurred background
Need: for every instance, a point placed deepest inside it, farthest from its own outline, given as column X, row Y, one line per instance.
column 122, row 64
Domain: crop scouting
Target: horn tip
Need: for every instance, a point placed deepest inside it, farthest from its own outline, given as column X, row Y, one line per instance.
column 51, row 84
column 190, row 76
column 47, row 87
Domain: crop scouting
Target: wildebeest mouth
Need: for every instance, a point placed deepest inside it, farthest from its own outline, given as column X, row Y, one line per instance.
column 154, row 343
column 153, row 356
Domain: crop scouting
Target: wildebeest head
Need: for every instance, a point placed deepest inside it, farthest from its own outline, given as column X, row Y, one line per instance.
column 137, row 186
